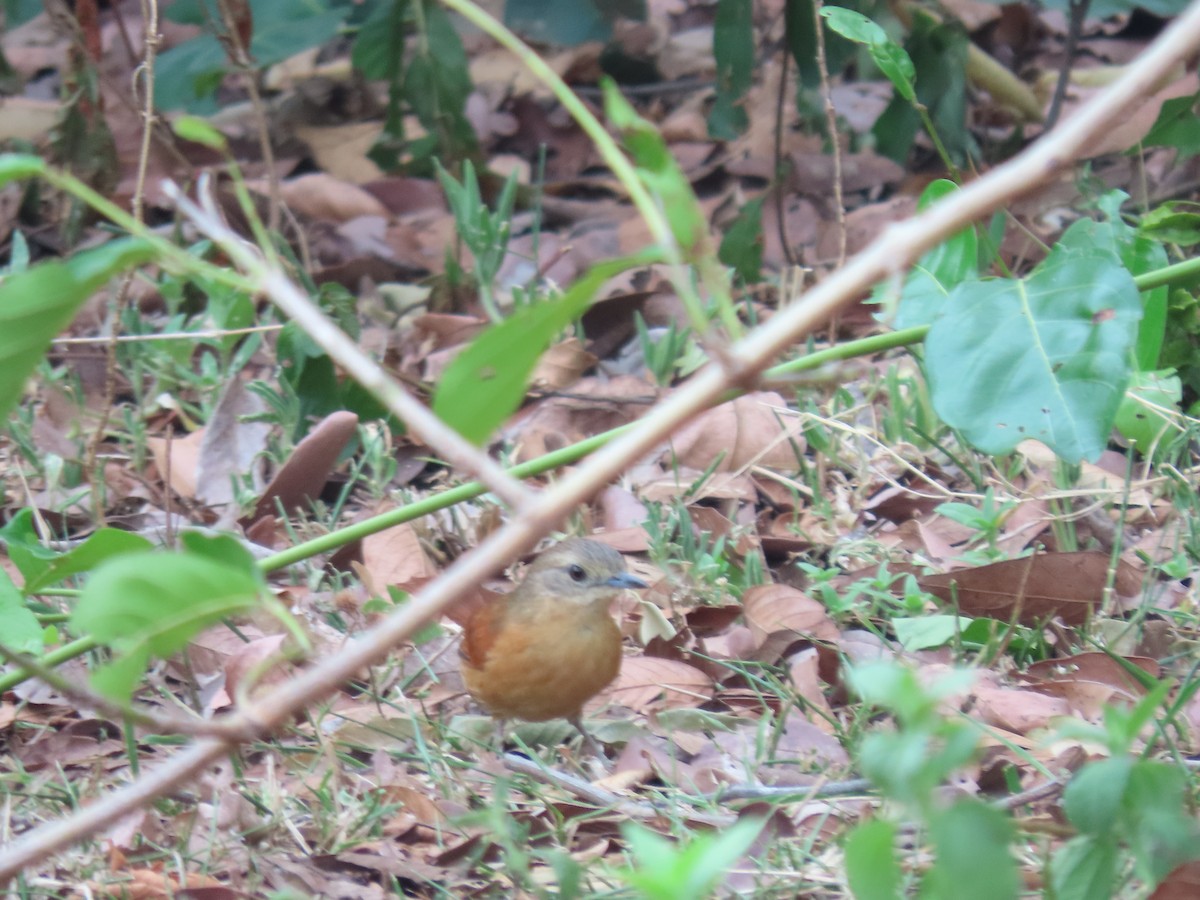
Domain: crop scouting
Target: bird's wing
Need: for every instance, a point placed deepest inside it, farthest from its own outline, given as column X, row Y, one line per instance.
column 480, row 633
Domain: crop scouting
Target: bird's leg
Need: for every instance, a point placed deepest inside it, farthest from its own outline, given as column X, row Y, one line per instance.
column 500, row 735
column 592, row 744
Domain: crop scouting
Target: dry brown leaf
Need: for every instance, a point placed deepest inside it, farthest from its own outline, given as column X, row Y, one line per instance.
column 395, row 557
column 1030, row 590
column 743, row 432
column 648, row 683
column 180, row 458
column 774, row 608
column 304, row 473
column 1019, row 711
column 232, row 447
column 327, row 198
column 1094, row 667
column 562, row 365
column 1182, row 883
column 341, row 150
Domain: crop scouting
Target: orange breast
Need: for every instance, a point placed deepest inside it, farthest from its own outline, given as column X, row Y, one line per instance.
column 541, row 669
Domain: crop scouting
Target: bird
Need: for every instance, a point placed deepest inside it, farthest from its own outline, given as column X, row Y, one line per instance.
column 543, row 650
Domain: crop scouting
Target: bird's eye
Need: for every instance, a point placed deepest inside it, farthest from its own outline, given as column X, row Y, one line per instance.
column 576, row 572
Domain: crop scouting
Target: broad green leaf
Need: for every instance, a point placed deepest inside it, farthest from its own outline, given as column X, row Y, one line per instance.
column 569, row 24
column 486, row 382
column 1176, row 127
column 937, row 54
column 198, row 131
column 19, row 627
column 224, row 549
column 18, row 12
column 951, row 263
column 895, row 63
column 1140, row 256
column 102, row 545
column 35, row 305
column 438, row 82
column 151, row 604
column 1174, row 222
column 25, row 547
column 733, row 52
column 1162, row 830
column 974, row 856
column 1084, row 868
column 853, row 25
column 1094, row 798
column 188, row 74
column 1046, row 357
column 871, row 866
column 1145, row 414
column 925, row 632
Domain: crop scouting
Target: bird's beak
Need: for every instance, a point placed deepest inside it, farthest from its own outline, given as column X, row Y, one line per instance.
column 626, row 580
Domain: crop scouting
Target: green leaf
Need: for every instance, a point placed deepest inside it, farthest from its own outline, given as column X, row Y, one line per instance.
column 1139, row 418
column 569, row 24
column 151, row 604
column 742, row 246
column 198, row 131
column 895, row 63
column 35, row 305
column 670, row 871
column 953, row 262
column 1163, row 834
column 18, row 12
column 438, row 82
column 486, row 382
column 1176, row 127
column 938, row 54
column 187, row 75
column 1045, row 357
column 1084, row 868
column 102, row 545
column 871, row 866
column 224, row 549
column 1140, row 256
column 1172, row 223
column 733, row 52
column 925, row 632
column 1095, row 796
column 853, row 25
column 974, row 858
column 25, row 547
column 19, row 627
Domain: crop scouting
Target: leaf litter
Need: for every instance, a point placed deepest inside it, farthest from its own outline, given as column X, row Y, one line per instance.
column 735, row 667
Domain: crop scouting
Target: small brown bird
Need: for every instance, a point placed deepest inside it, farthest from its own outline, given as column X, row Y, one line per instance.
column 544, row 650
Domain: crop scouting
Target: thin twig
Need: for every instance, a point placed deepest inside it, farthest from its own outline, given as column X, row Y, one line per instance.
column 1037, row 792
column 296, row 304
column 831, row 125
column 145, row 72
column 156, row 722
column 1077, row 13
column 799, row 792
column 897, row 247
column 240, row 56
column 780, row 183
